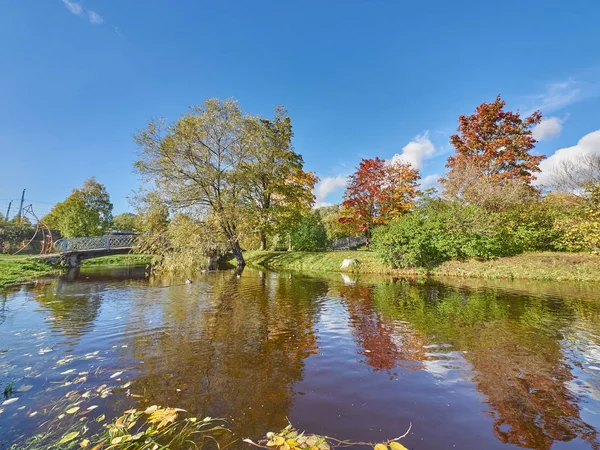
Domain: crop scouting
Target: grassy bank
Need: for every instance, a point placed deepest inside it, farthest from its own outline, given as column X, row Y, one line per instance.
column 528, row 266
column 118, row 261
column 18, row 270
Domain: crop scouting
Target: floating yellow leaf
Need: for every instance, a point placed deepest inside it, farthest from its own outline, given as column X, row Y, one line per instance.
column 84, row 443
column 100, row 418
column 278, row 441
column 68, row 437
column 72, row 410
column 163, row 417
column 116, row 440
column 397, row 446
column 381, row 447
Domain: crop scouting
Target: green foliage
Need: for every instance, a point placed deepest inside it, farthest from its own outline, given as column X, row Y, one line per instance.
column 309, row 234
column 438, row 231
column 86, row 212
column 125, row 222
column 330, row 217
column 581, row 228
column 13, row 235
column 277, row 190
column 235, row 173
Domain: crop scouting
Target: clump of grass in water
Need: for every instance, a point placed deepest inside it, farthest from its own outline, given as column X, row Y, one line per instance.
column 8, row 389
column 151, row 429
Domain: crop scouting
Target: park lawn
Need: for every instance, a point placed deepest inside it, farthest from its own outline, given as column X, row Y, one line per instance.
column 556, row 266
column 18, row 270
column 129, row 259
column 317, row 261
column 528, row 266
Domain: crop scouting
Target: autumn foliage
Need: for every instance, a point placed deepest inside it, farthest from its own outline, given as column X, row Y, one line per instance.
column 497, row 143
column 378, row 192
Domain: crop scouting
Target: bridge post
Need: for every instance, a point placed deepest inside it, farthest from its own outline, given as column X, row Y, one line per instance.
column 64, row 246
column 107, row 242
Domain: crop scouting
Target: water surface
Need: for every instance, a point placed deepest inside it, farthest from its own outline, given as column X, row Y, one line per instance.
column 471, row 364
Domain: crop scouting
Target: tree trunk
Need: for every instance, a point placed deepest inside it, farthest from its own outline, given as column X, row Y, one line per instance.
column 237, row 252
column 263, row 241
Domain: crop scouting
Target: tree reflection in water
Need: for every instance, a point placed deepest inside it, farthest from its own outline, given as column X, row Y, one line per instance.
column 514, row 344
column 236, row 350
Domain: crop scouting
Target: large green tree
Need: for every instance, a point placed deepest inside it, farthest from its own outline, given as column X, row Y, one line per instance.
column 278, row 190
column 231, row 172
column 86, row 212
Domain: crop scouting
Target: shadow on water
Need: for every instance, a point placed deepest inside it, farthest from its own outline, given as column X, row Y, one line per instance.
column 472, row 364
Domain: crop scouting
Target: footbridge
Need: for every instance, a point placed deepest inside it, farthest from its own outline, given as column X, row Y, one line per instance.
column 71, row 251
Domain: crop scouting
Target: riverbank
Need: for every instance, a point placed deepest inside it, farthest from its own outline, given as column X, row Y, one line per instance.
column 23, row 268
column 554, row 266
column 17, row 270
column 130, row 259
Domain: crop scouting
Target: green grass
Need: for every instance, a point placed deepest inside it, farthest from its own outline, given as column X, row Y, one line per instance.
column 318, row 261
column 528, row 266
column 118, row 261
column 18, row 270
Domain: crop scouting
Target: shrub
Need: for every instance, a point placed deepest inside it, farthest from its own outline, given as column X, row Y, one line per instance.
column 309, row 234
column 440, row 230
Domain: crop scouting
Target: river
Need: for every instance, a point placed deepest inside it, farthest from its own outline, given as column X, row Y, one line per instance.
column 470, row 364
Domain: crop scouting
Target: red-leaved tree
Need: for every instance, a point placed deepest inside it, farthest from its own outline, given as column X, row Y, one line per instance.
column 378, row 192
column 496, row 143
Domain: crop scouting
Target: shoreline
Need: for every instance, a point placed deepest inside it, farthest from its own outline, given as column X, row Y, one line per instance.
column 542, row 266
column 17, row 270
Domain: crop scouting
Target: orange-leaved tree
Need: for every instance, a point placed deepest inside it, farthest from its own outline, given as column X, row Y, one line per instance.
column 496, row 144
column 378, row 192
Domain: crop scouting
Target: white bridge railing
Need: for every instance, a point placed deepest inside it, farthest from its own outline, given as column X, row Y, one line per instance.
column 66, row 245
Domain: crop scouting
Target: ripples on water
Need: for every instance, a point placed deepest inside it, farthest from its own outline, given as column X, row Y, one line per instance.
column 471, row 364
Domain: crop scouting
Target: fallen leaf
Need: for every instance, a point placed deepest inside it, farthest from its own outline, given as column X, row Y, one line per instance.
column 397, row 446
column 72, row 410
column 9, row 401
column 116, row 374
column 68, row 437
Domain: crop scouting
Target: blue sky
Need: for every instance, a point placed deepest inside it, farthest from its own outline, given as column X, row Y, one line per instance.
column 359, row 78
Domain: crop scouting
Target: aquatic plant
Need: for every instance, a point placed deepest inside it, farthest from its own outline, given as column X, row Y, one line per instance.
column 291, row 439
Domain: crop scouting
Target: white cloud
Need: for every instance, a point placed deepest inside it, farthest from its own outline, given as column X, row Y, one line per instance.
column 78, row 10
column 430, row 181
column 417, row 150
column 549, row 128
column 561, row 94
column 74, row 7
column 328, row 186
column 590, row 143
column 94, row 17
